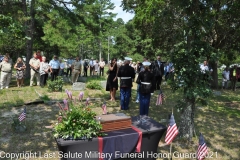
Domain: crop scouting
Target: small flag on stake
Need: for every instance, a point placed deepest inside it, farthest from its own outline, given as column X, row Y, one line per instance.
column 202, row 148
column 104, row 108
column 160, row 98
column 172, row 130
column 22, row 116
column 66, row 105
column 87, row 101
column 81, row 96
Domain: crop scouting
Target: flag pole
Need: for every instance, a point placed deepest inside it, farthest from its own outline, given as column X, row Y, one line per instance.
column 171, row 144
column 171, row 151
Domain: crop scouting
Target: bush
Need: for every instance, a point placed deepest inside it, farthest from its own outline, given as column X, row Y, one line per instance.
column 55, row 86
column 94, row 85
column 78, row 123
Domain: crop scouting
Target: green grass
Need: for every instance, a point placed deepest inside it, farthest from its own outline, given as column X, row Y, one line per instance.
column 219, row 121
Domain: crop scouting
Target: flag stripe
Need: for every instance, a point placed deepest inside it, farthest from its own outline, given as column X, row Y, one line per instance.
column 172, row 131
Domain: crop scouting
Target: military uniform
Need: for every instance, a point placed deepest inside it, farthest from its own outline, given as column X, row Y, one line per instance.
column 145, row 81
column 35, row 72
column 77, row 67
column 6, row 73
column 126, row 74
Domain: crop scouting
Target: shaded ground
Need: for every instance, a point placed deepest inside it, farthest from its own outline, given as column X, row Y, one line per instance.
column 219, row 122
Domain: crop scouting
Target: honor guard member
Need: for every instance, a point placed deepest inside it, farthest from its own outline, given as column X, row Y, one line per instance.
column 126, row 74
column 6, row 72
column 76, row 68
column 145, row 81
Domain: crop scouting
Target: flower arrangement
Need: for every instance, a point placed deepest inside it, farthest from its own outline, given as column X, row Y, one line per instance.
column 76, row 121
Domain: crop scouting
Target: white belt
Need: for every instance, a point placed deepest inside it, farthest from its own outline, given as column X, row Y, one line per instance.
column 147, row 83
column 126, row 77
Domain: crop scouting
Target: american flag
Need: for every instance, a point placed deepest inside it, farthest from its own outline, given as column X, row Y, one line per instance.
column 202, row 148
column 172, row 130
column 104, row 108
column 81, row 96
column 87, row 101
column 22, row 115
column 65, row 104
column 70, row 95
column 160, row 98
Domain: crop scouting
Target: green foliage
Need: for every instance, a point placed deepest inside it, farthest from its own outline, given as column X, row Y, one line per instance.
column 78, row 123
column 55, row 86
column 17, row 126
column 45, row 98
column 94, row 85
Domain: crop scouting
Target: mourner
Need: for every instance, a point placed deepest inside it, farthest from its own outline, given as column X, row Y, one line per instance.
column 44, row 69
column 6, row 72
column 54, row 67
column 76, row 68
column 112, row 80
column 101, row 64
column 69, row 66
column 127, row 75
column 34, row 64
column 91, row 65
column 20, row 67
column 85, row 68
column 158, row 71
column 145, row 80
column 62, row 66
column 39, row 56
column 226, row 78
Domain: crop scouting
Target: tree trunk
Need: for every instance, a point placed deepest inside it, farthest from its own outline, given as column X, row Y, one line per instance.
column 186, row 127
column 214, row 74
column 29, row 30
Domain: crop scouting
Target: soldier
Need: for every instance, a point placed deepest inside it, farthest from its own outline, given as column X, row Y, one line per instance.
column 35, row 65
column 126, row 74
column 76, row 68
column 146, row 87
column 6, row 72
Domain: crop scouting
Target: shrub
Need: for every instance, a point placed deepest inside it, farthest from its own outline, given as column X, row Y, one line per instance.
column 78, row 123
column 55, row 86
column 94, row 85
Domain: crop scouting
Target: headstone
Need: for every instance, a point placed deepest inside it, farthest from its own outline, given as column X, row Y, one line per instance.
column 103, row 84
column 78, row 86
column 82, row 79
column 217, row 93
column 66, row 79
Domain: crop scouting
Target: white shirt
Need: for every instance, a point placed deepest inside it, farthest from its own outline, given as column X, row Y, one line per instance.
column 91, row 63
column 55, row 64
column 101, row 64
column 62, row 65
column 204, row 68
column 226, row 74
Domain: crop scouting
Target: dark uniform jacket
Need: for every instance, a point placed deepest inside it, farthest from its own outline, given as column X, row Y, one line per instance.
column 158, row 70
column 126, row 71
column 147, row 77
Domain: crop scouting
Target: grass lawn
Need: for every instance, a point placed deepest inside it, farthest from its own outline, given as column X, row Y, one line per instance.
column 219, row 121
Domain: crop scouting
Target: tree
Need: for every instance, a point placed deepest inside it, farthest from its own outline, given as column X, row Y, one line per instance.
column 191, row 31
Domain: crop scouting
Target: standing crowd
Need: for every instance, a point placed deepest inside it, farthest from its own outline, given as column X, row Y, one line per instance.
column 41, row 69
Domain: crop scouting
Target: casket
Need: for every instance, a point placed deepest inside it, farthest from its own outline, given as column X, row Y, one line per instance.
column 111, row 122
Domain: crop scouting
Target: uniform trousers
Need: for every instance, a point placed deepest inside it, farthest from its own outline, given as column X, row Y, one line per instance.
column 144, row 103
column 5, row 79
column 125, row 93
column 34, row 74
column 75, row 75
